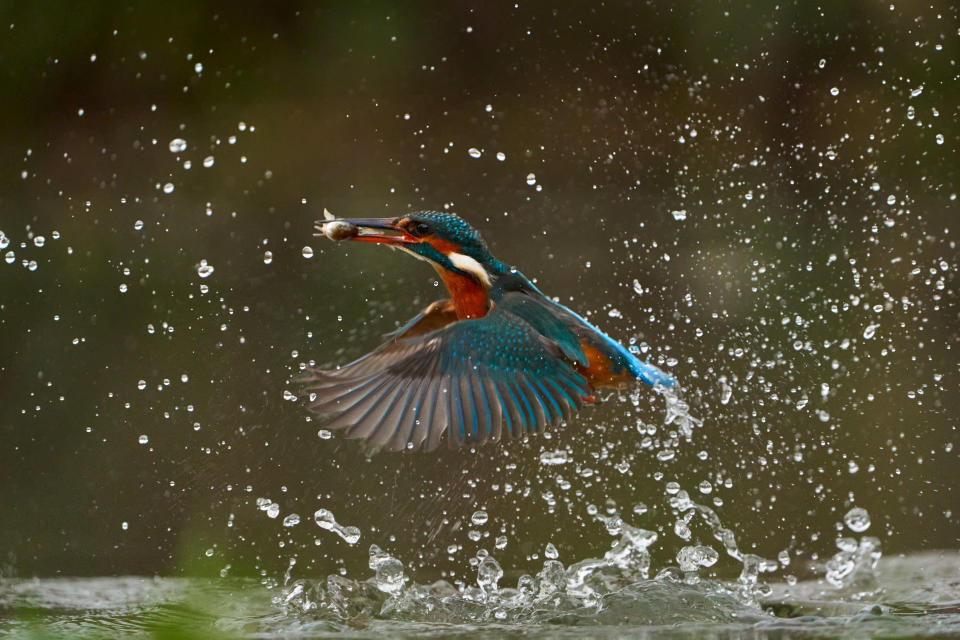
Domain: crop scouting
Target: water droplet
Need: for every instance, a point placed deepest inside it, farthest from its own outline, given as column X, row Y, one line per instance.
column 554, row 457
column 10, row 257
column 870, row 331
column 307, row 252
column 834, row 91
column 267, row 257
column 489, row 573
column 501, row 156
column 324, row 519
column 168, row 188
column 208, row 162
column 857, row 519
column 637, row 287
column 474, row 152
column 142, row 384
column 178, row 145
column 198, row 68
column 822, row 63
column 273, row 510
column 679, row 215
column 204, row 270
column 143, row 439
column 123, row 287
column 389, row 571
column 690, row 558
column 479, row 518
column 726, row 391
column 291, row 520
column 138, row 225
column 39, row 240
column 4, row 241
column 614, row 525
column 939, row 138
column 531, row 179
column 891, row 200
column 551, row 552
column 916, row 92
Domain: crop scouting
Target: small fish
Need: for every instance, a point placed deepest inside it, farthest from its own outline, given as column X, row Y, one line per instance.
column 334, row 229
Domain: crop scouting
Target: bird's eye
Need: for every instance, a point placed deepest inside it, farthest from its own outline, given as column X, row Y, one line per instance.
column 420, row 229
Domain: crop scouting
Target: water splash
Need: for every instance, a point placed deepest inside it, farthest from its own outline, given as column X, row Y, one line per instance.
column 615, row 589
column 678, row 412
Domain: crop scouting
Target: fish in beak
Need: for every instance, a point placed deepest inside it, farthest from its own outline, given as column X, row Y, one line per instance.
column 376, row 230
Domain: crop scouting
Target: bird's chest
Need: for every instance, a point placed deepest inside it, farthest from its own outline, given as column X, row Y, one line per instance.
column 470, row 299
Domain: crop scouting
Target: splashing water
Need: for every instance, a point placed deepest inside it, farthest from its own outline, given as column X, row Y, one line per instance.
column 613, row 590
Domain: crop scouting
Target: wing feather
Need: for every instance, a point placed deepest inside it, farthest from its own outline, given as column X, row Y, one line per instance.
column 496, row 406
column 484, row 415
column 471, row 381
column 405, row 431
column 358, row 409
column 441, row 418
column 393, row 415
column 547, row 399
column 367, row 424
column 539, row 415
column 511, row 410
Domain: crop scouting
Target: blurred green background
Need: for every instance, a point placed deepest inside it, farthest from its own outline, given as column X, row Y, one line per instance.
column 762, row 196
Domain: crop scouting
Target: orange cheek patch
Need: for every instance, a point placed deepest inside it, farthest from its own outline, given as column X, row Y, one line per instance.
column 443, row 246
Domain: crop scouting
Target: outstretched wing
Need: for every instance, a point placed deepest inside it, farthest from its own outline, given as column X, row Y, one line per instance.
column 474, row 380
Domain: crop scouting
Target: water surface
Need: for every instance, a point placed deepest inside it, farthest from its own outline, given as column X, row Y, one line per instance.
column 912, row 596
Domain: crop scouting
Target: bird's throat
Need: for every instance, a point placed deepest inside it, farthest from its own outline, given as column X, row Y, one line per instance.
column 469, row 297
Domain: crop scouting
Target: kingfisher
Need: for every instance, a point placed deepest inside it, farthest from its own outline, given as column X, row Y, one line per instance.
column 497, row 358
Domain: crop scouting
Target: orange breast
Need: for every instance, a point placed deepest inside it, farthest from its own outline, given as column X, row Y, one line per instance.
column 469, row 297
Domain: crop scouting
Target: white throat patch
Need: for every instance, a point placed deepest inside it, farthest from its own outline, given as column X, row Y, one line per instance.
column 471, row 266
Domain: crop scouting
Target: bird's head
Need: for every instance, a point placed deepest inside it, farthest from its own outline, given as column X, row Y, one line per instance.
column 445, row 240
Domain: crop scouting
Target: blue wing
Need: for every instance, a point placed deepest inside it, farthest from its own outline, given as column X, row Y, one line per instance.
column 571, row 332
column 473, row 380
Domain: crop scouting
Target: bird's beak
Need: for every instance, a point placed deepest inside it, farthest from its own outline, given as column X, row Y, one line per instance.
column 377, row 230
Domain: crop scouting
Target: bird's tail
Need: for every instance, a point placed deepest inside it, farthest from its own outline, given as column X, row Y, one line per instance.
column 650, row 374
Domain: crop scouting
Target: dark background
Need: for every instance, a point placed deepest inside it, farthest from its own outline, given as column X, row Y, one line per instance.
column 807, row 301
